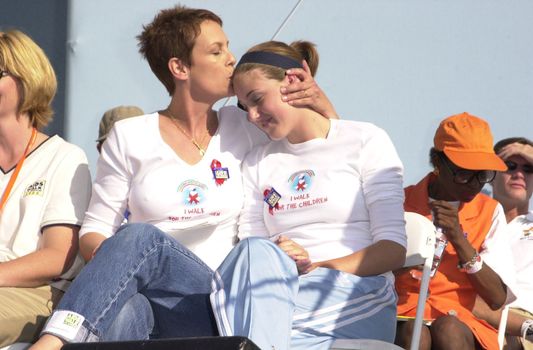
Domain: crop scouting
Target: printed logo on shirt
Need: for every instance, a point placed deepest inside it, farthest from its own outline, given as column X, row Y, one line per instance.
column 193, row 192
column 528, row 234
column 301, row 181
column 35, row 189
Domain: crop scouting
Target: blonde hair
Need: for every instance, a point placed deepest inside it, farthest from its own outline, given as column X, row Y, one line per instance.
column 27, row 62
column 297, row 50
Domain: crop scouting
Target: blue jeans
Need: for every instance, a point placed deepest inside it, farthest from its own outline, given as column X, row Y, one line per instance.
column 141, row 284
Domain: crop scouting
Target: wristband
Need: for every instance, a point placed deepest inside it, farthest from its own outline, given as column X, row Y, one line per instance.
column 472, row 266
column 527, row 330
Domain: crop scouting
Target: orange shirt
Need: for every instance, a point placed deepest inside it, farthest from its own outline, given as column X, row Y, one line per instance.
column 450, row 290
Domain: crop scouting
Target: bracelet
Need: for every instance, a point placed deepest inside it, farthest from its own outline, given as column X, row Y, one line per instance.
column 527, row 330
column 474, row 265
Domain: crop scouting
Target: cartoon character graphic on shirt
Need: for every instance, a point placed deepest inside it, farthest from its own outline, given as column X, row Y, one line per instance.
column 301, row 180
column 193, row 192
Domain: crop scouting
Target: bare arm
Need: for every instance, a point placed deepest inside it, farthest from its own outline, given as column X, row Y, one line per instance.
column 486, row 282
column 514, row 320
column 375, row 259
column 89, row 244
column 59, row 248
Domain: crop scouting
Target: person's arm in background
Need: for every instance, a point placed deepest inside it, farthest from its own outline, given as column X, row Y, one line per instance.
column 514, row 320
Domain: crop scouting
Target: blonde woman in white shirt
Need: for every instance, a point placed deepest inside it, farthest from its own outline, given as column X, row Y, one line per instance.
column 44, row 187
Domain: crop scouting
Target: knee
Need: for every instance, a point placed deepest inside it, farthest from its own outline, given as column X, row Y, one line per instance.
column 450, row 330
column 263, row 252
column 136, row 234
column 404, row 334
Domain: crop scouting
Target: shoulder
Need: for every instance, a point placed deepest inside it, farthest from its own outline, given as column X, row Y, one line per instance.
column 136, row 124
column 234, row 121
column 364, row 127
column 363, row 132
column 59, row 147
column 482, row 202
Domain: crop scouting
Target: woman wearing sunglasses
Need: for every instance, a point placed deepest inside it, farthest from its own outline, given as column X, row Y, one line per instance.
column 513, row 189
column 476, row 259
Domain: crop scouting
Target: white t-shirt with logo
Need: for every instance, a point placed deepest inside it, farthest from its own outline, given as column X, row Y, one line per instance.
column 336, row 195
column 53, row 187
column 521, row 231
column 139, row 173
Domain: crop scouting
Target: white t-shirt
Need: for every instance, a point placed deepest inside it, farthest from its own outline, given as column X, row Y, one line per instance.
column 53, row 187
column 521, row 232
column 138, row 172
column 338, row 195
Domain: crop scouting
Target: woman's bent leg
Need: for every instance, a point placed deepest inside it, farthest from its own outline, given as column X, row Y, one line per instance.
column 134, row 321
column 332, row 304
column 253, row 293
column 139, row 258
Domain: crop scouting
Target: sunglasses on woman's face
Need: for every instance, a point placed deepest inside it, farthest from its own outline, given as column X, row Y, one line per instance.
column 512, row 166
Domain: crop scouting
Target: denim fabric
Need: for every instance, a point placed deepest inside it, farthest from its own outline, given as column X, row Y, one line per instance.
column 141, row 284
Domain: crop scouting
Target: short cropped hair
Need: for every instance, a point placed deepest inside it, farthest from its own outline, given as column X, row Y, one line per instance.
column 29, row 65
column 172, row 33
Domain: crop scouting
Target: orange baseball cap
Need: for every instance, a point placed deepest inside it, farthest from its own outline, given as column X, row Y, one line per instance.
column 467, row 141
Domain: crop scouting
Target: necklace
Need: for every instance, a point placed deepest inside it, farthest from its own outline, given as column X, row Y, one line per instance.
column 194, row 142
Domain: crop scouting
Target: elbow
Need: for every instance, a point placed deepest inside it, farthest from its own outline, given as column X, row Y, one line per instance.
column 498, row 297
column 396, row 254
column 499, row 301
column 400, row 258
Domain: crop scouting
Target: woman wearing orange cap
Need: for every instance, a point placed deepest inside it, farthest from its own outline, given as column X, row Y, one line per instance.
column 471, row 226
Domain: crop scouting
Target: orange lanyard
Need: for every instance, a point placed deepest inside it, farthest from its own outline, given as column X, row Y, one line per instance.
column 15, row 174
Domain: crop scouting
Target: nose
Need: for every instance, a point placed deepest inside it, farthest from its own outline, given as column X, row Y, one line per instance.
column 232, row 59
column 253, row 114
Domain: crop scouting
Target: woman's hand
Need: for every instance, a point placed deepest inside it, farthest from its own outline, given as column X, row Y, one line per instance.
column 445, row 216
column 297, row 253
column 517, row 149
column 303, row 91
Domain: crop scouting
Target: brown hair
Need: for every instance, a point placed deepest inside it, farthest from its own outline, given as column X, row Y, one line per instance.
column 27, row 62
column 172, row 33
column 502, row 143
column 297, row 50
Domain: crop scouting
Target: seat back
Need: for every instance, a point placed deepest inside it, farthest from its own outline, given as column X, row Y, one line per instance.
column 420, row 251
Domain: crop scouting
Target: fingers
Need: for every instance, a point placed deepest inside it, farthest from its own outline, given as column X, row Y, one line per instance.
column 291, row 248
column 525, row 151
column 445, row 216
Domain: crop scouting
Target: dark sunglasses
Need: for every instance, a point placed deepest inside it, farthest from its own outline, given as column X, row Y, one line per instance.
column 463, row 176
column 512, row 166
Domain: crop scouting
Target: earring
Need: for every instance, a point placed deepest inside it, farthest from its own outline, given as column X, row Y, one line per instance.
column 436, row 172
